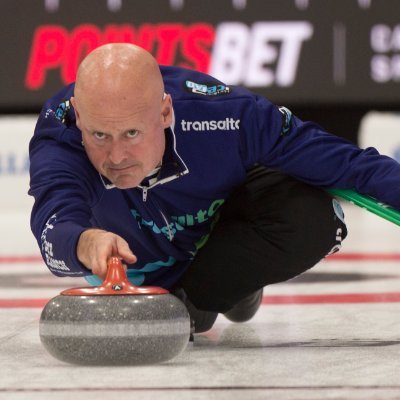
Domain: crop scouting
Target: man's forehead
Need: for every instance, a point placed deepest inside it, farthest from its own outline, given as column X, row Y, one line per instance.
column 117, row 103
column 110, row 122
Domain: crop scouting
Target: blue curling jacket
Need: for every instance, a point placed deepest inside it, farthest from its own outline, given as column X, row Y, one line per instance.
column 218, row 133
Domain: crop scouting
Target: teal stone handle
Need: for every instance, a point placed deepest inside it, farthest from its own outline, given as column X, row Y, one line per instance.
column 383, row 210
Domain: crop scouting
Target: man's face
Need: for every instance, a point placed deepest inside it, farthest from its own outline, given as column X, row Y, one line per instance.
column 124, row 143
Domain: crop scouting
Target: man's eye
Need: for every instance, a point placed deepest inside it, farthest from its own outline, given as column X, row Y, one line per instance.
column 132, row 133
column 99, row 135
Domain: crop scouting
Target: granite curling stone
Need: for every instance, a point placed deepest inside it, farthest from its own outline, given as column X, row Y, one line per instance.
column 115, row 323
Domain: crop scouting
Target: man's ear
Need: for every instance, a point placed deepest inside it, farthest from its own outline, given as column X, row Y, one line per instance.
column 166, row 111
column 77, row 116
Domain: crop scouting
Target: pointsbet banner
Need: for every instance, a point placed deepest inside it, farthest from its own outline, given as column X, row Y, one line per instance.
column 292, row 51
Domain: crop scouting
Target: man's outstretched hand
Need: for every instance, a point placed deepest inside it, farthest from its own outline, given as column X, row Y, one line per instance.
column 96, row 246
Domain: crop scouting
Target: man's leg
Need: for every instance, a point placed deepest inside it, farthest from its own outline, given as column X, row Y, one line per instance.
column 272, row 229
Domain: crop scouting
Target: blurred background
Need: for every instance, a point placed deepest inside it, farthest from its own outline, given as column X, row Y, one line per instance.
column 336, row 62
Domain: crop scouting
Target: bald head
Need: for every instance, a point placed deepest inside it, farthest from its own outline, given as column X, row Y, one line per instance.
column 118, row 73
column 122, row 113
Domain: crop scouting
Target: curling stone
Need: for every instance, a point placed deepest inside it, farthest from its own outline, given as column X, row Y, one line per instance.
column 115, row 323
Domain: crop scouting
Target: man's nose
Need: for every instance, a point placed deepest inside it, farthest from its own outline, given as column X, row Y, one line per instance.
column 117, row 152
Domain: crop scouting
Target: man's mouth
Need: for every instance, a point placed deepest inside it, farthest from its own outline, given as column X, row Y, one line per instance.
column 121, row 169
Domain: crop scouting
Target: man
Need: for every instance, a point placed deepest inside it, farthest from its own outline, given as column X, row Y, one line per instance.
column 187, row 180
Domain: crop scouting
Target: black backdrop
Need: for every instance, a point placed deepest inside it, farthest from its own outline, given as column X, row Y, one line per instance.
column 328, row 60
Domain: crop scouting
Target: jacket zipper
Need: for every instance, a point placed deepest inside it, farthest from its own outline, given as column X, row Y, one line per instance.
column 170, row 234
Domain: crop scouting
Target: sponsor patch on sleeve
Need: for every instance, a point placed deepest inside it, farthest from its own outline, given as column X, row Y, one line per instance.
column 61, row 111
column 207, row 89
column 286, row 120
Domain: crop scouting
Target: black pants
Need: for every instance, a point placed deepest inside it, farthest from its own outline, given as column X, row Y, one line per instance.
column 271, row 229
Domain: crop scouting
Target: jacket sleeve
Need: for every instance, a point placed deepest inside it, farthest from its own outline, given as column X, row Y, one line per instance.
column 59, row 177
column 277, row 139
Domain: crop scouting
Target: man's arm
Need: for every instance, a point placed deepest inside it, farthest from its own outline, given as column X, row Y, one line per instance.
column 62, row 185
column 307, row 152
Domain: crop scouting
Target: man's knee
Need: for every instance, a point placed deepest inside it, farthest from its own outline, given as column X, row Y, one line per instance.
column 302, row 222
column 315, row 229
column 317, row 221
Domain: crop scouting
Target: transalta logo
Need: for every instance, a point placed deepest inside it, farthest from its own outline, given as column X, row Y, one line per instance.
column 263, row 54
